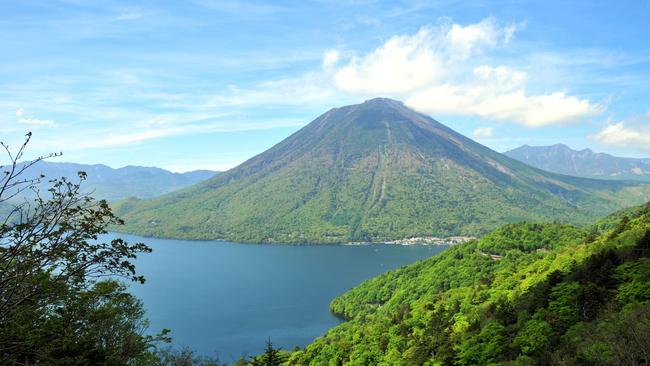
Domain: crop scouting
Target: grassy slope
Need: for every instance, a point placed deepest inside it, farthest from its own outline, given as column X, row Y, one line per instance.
column 559, row 295
column 374, row 171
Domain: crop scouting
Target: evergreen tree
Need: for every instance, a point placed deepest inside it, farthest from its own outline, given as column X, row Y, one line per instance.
column 271, row 356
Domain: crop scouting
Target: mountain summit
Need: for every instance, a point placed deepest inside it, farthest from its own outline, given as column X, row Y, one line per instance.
column 562, row 159
column 371, row 172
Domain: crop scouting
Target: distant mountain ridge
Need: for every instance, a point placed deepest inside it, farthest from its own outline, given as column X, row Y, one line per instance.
column 560, row 158
column 374, row 171
column 113, row 184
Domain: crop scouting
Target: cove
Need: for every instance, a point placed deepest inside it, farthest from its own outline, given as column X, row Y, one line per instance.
column 225, row 299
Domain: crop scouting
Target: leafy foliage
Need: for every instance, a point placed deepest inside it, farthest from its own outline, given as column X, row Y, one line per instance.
column 56, row 305
column 525, row 294
column 101, row 325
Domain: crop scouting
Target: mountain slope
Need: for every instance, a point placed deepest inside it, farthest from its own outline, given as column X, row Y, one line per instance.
column 562, row 159
column 525, row 294
column 114, row 184
column 372, row 172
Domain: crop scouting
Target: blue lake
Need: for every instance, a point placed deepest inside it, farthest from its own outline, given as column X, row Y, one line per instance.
column 225, row 299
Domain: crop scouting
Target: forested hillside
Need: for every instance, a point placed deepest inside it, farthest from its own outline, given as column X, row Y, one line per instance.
column 374, row 171
column 525, row 294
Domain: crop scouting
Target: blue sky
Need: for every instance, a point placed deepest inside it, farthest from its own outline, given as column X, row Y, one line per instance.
column 207, row 84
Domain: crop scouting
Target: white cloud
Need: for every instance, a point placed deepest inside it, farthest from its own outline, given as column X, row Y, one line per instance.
column 36, row 122
column 535, row 110
column 483, row 133
column 502, row 77
column 330, row 58
column 401, row 64
column 499, row 93
column 619, row 135
column 509, row 31
column 30, row 121
column 463, row 41
column 435, row 71
column 407, row 62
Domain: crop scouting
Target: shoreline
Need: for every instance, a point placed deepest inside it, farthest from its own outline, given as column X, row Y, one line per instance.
column 424, row 240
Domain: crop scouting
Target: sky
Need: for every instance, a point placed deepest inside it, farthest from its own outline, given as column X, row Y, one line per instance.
column 207, row 84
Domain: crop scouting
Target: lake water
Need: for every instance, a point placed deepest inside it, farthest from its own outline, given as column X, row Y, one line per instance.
column 226, row 299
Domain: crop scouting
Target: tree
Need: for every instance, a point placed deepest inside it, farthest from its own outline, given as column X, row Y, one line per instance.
column 534, row 336
column 485, row 347
column 100, row 325
column 57, row 236
column 271, row 356
column 181, row 357
column 54, row 308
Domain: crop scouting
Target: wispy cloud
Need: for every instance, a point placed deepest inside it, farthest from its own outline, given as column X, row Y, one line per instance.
column 243, row 8
column 36, row 122
column 331, row 58
column 128, row 75
column 217, row 162
column 310, row 88
column 368, row 21
column 128, row 15
column 434, row 70
column 483, row 133
column 130, row 107
column 155, row 129
column 31, row 121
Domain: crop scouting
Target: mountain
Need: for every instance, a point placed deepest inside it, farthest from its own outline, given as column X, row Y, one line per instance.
column 372, row 172
column 562, row 159
column 525, row 294
column 114, row 184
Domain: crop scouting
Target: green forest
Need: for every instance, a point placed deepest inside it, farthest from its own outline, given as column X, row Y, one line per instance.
column 525, row 294
column 324, row 183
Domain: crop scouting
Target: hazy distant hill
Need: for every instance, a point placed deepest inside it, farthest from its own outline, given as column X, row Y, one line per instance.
column 114, row 184
column 372, row 172
column 584, row 163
